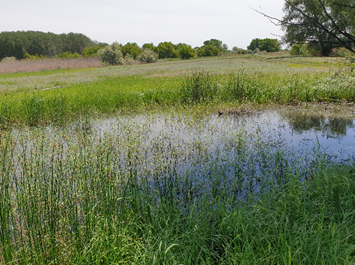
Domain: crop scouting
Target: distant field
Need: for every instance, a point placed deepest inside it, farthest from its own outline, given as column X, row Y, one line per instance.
column 47, row 64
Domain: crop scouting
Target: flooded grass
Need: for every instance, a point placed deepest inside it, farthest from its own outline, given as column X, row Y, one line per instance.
column 170, row 189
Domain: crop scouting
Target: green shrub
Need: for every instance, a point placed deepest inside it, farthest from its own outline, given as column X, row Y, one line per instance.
column 295, row 49
column 305, row 50
column 269, row 45
column 207, row 50
column 132, row 49
column 68, row 55
column 91, row 52
column 167, row 50
column 111, row 54
column 148, row 56
column 129, row 59
column 341, row 52
column 9, row 59
column 34, row 57
column 186, row 51
column 237, row 50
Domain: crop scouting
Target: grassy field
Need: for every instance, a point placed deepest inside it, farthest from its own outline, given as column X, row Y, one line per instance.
column 157, row 182
column 57, row 96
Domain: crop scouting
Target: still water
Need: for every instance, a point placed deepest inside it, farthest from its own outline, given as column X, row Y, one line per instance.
column 328, row 129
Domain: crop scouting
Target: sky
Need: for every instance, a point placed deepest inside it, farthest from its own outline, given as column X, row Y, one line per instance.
column 141, row 21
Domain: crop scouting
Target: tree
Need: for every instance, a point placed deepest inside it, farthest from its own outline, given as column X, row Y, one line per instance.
column 166, row 50
column 269, row 45
column 132, row 49
column 208, row 50
column 111, row 54
column 21, row 43
column 148, row 56
column 186, row 51
column 322, row 24
column 215, row 43
column 149, row 46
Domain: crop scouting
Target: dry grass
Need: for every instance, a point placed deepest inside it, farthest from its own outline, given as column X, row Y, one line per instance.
column 47, row 64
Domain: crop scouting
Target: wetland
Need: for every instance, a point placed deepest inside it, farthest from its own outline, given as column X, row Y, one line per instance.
column 232, row 161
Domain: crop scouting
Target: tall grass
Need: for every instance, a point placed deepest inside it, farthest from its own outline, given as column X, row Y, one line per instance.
column 136, row 93
column 134, row 193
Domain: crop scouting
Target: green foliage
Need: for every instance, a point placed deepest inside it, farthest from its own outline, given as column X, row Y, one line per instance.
column 324, row 25
column 166, row 50
column 129, row 59
column 186, row 51
column 208, row 50
column 68, row 55
column 148, row 56
column 215, row 43
column 341, row 52
column 269, row 45
column 304, row 49
column 19, row 43
column 132, row 49
column 91, row 51
column 225, row 47
column 149, row 46
column 8, row 59
column 238, row 50
column 111, row 54
column 34, row 57
column 257, row 50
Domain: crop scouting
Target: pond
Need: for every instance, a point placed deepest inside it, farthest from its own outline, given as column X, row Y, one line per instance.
column 240, row 151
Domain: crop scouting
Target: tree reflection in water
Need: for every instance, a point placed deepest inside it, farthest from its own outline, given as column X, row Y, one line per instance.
column 302, row 121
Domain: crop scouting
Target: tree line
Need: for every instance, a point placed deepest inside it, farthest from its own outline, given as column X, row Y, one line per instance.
column 35, row 44
column 21, row 44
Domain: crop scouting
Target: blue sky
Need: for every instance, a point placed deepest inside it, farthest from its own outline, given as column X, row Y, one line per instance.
column 188, row 21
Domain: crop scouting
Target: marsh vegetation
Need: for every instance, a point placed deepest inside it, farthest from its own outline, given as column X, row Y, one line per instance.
column 134, row 165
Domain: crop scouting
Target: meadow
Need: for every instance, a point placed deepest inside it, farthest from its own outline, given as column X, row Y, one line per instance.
column 131, row 165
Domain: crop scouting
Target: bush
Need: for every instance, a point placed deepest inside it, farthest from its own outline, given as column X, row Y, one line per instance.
column 34, row 57
column 269, row 45
column 186, row 51
column 166, row 50
column 129, row 59
column 257, row 50
column 132, row 49
column 8, row 59
column 68, row 55
column 207, row 50
column 148, row 56
column 304, row 49
column 341, row 52
column 91, row 52
column 111, row 54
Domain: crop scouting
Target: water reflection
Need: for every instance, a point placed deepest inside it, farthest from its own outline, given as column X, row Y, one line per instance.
column 335, row 127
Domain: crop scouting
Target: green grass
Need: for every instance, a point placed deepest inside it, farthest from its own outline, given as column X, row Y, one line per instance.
column 134, row 93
